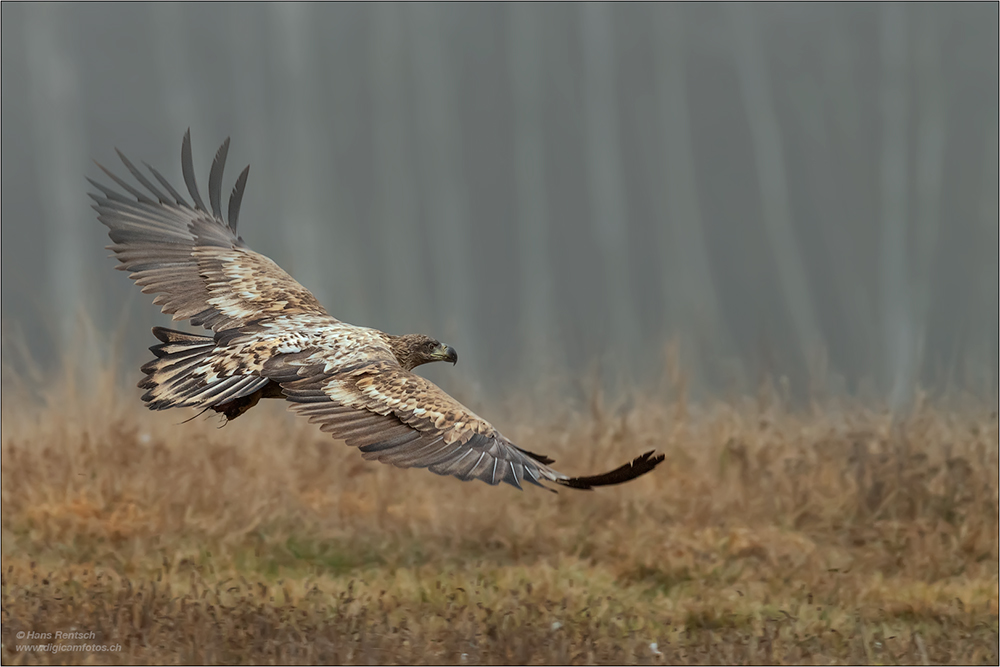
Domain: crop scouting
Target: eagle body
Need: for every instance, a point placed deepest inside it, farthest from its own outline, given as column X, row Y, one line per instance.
column 270, row 338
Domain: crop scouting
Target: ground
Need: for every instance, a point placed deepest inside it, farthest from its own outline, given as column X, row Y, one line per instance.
column 824, row 534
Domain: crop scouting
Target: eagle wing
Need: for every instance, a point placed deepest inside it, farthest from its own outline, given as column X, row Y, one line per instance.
column 189, row 255
column 396, row 417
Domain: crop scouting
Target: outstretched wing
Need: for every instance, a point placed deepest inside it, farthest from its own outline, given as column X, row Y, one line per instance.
column 191, row 256
column 397, row 417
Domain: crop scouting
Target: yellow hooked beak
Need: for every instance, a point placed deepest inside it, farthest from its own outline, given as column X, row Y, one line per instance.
column 445, row 353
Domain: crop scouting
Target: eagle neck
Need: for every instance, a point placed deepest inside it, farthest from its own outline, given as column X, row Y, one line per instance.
column 402, row 349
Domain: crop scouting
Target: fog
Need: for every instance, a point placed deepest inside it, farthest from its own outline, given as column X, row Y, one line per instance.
column 806, row 192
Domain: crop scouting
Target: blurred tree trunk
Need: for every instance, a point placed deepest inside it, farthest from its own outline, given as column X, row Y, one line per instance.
column 928, row 164
column 984, row 346
column 325, row 253
column 842, row 142
column 445, row 208
column 174, row 65
column 296, row 153
column 526, row 63
column 59, row 152
column 396, row 210
column 609, row 214
column 899, row 339
column 766, row 139
column 692, row 309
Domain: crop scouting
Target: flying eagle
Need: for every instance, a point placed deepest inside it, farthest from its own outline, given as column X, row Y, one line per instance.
column 272, row 339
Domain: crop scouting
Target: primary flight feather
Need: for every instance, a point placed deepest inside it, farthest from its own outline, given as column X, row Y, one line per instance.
column 272, row 339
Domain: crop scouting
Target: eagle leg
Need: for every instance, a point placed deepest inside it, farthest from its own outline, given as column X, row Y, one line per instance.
column 236, row 407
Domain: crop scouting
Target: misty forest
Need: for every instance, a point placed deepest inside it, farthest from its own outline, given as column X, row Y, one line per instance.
column 804, row 193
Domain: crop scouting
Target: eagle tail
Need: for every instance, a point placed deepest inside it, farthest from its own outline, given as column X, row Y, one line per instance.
column 182, row 374
column 635, row 468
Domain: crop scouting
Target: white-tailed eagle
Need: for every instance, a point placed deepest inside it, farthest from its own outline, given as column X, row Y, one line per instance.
column 272, row 339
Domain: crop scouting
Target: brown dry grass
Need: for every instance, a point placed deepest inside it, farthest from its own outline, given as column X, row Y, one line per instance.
column 817, row 536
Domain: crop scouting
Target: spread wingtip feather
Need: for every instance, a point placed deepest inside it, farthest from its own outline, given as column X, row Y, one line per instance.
column 187, row 169
column 215, row 179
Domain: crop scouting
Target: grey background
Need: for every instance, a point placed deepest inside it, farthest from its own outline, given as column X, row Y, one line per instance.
column 797, row 191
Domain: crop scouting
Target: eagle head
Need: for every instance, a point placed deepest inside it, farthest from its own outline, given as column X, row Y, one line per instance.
column 413, row 350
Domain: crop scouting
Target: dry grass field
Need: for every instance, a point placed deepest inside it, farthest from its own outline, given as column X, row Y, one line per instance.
column 823, row 535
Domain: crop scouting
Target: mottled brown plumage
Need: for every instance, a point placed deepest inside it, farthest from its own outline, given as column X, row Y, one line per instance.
column 272, row 339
